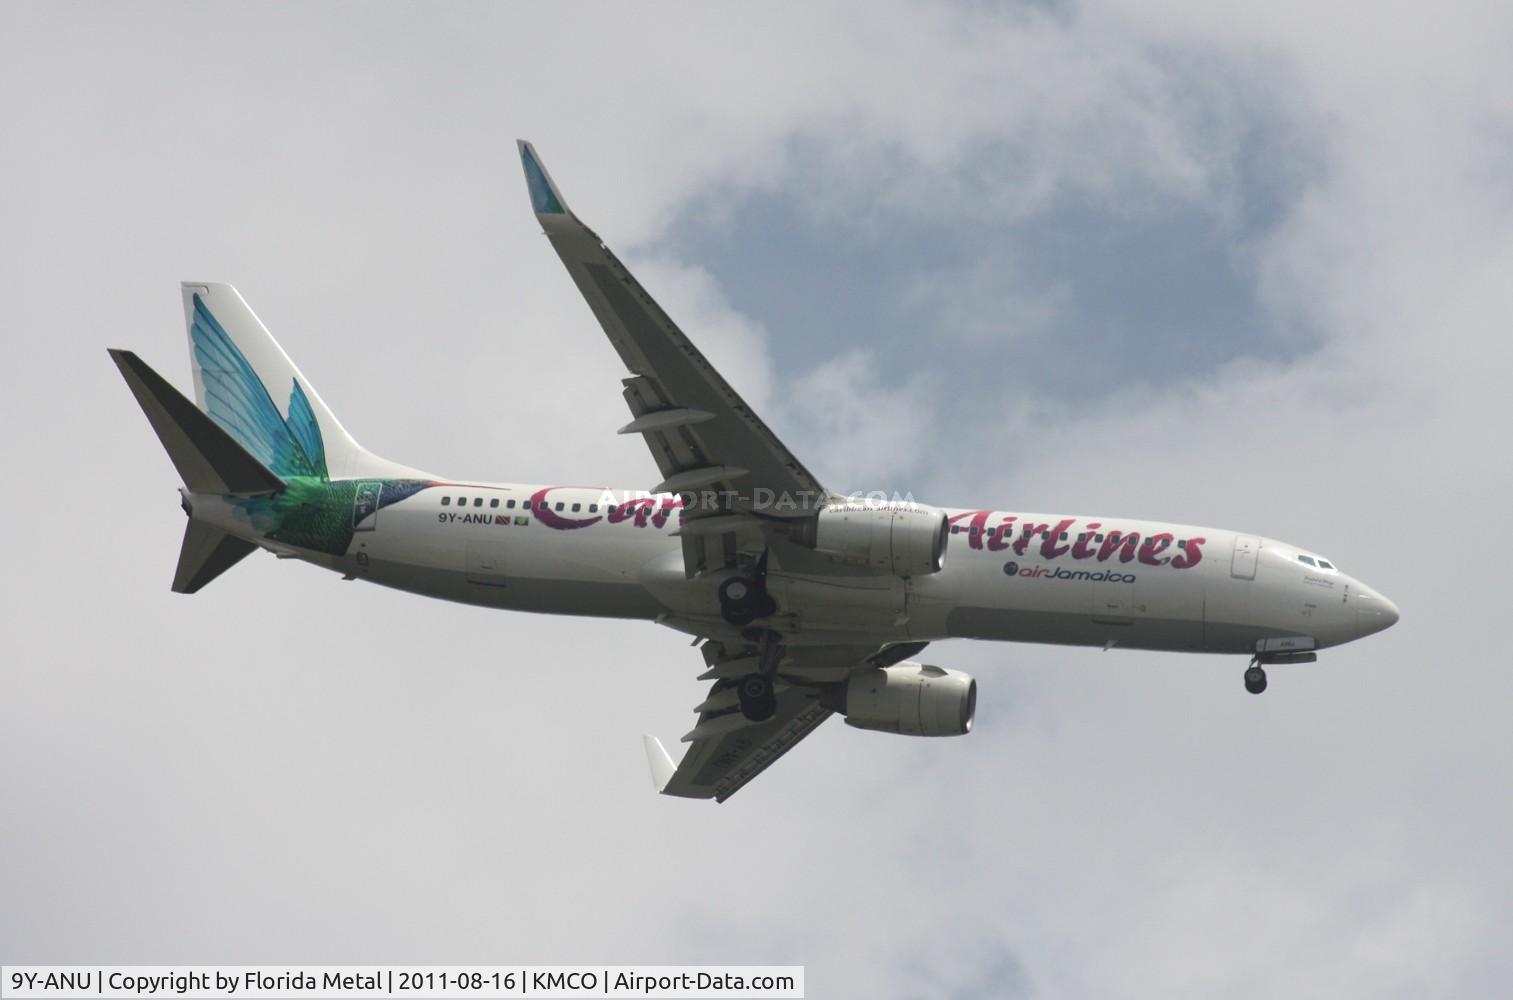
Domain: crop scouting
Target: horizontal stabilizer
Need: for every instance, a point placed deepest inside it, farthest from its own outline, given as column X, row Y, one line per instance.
column 207, row 552
column 209, row 460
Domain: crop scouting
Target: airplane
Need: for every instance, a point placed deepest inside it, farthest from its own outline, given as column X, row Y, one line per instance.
column 805, row 602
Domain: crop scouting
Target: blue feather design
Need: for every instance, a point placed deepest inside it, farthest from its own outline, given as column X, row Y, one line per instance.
column 236, row 398
column 304, row 429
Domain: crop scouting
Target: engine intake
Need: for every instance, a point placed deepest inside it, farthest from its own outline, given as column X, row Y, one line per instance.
column 902, row 539
column 910, row 699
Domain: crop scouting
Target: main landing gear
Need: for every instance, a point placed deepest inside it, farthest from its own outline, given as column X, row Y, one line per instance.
column 1255, row 678
column 755, row 691
column 744, row 599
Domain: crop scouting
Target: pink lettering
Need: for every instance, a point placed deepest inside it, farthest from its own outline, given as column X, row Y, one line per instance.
column 1114, row 540
column 1050, row 550
column 1030, row 531
column 974, row 530
column 1082, row 548
column 553, row 519
column 1191, row 554
column 1154, row 546
column 996, row 540
column 640, row 509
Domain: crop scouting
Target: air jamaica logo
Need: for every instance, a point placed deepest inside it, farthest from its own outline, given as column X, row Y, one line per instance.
column 1061, row 573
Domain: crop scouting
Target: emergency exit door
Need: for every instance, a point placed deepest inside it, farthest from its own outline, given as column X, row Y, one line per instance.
column 1247, row 549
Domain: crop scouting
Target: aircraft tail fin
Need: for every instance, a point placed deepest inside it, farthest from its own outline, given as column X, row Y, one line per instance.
column 207, row 552
column 208, row 458
column 250, row 387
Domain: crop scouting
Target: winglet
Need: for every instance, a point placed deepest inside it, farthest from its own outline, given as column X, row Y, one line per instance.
column 661, row 765
column 545, row 198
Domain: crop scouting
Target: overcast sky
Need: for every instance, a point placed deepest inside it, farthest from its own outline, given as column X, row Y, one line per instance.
column 1249, row 267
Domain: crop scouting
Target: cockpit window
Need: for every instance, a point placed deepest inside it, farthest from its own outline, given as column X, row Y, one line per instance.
column 1325, row 564
column 1307, row 560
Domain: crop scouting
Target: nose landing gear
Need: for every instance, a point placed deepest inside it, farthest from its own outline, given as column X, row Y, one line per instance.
column 1278, row 649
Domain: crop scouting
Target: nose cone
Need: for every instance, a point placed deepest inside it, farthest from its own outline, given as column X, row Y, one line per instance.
column 1374, row 613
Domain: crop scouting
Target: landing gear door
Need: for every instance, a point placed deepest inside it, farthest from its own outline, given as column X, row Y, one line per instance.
column 1246, row 551
column 365, row 506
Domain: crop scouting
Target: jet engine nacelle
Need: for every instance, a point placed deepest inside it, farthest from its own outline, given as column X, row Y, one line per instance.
column 911, row 699
column 902, row 539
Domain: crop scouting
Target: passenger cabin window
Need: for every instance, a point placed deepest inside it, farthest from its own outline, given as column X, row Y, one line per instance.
column 494, row 502
column 478, row 501
column 510, row 504
column 446, row 501
column 559, row 505
column 577, row 507
column 593, row 508
column 462, row 501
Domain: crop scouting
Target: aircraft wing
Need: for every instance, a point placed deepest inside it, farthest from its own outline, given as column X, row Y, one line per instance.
column 732, row 471
column 729, row 751
column 725, row 749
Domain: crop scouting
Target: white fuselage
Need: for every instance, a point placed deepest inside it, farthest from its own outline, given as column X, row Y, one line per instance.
column 1007, row 576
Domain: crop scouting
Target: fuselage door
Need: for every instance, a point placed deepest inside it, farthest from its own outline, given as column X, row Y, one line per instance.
column 365, row 506
column 1246, row 551
column 486, row 563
